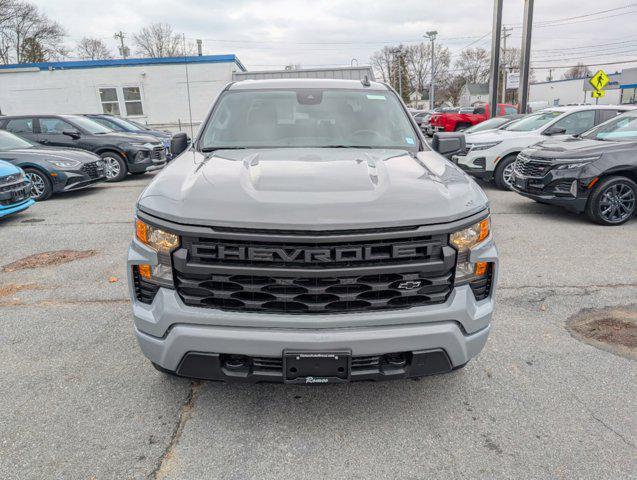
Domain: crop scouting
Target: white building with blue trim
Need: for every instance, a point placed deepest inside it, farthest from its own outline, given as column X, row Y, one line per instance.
column 154, row 91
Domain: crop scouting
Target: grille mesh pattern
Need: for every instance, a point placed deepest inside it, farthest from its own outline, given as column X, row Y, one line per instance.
column 531, row 168
column 91, row 169
column 299, row 295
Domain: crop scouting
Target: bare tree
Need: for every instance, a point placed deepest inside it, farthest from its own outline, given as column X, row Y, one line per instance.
column 159, row 40
column 382, row 62
column 419, row 65
column 93, row 49
column 578, row 71
column 27, row 35
column 473, row 65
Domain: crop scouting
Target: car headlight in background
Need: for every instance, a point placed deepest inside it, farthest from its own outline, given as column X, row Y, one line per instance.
column 162, row 242
column 463, row 241
column 576, row 162
column 65, row 163
column 483, row 146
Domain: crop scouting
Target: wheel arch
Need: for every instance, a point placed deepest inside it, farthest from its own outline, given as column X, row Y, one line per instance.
column 111, row 149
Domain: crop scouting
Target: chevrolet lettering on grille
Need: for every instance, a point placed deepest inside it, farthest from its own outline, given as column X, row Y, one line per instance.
column 312, row 255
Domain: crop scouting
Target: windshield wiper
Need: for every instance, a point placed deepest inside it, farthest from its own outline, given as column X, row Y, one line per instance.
column 213, row 149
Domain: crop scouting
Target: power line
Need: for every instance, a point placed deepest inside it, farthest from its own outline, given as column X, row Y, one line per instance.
column 599, row 12
column 588, row 65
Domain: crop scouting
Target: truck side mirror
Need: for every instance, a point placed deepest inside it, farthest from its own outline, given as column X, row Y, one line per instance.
column 448, row 143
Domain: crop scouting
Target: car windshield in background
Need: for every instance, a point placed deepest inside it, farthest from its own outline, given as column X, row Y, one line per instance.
column 91, row 126
column 622, row 128
column 532, row 122
column 309, row 118
column 126, row 124
column 9, row 141
column 489, row 124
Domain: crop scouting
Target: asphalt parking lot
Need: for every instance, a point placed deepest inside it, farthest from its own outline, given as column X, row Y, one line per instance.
column 79, row 400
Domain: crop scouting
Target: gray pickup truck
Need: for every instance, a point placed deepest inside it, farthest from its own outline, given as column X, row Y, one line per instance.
column 309, row 235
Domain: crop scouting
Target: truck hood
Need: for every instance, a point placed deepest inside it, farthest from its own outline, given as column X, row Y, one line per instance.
column 312, row 189
column 573, row 147
column 26, row 154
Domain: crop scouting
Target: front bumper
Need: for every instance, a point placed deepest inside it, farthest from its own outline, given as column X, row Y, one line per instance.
column 554, row 188
column 476, row 167
column 16, row 207
column 168, row 330
column 155, row 161
column 67, row 180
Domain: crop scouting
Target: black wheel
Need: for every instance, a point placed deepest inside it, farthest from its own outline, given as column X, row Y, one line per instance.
column 161, row 369
column 503, row 175
column 612, row 201
column 41, row 187
column 114, row 166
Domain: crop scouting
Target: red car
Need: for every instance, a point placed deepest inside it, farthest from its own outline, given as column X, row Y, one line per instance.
column 465, row 118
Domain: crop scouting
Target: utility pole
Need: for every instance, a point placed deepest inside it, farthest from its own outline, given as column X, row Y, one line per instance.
column 123, row 49
column 199, row 47
column 505, row 35
column 525, row 61
column 432, row 37
column 494, row 71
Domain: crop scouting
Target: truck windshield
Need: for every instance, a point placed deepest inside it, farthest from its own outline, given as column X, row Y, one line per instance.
column 9, row 141
column 622, row 128
column 309, row 118
column 532, row 122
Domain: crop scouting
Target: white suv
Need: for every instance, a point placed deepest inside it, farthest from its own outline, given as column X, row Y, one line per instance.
column 490, row 154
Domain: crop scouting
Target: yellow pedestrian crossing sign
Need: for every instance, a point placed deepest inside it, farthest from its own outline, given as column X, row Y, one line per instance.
column 599, row 80
column 598, row 93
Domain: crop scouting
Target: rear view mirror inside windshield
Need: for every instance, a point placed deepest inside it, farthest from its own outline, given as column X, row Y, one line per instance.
column 309, row 97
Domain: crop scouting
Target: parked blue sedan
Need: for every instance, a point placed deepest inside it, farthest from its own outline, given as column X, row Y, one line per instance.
column 15, row 190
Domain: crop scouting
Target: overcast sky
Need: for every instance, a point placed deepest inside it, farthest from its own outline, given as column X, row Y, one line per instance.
column 267, row 34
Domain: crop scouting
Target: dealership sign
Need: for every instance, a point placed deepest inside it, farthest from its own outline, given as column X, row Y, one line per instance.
column 513, row 80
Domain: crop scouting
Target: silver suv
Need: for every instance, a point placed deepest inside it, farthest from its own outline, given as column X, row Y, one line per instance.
column 309, row 235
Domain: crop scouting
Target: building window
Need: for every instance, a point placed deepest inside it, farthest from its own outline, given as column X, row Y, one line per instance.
column 629, row 95
column 122, row 100
column 133, row 101
column 110, row 104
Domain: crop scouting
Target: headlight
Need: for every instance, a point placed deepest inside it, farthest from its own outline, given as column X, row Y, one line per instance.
column 464, row 239
column 156, row 238
column 163, row 243
column 576, row 162
column 64, row 163
column 484, row 146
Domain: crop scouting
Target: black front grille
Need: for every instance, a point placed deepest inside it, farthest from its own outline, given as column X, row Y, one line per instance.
column 13, row 193
column 314, row 277
column 91, row 169
column 311, row 294
column 531, row 168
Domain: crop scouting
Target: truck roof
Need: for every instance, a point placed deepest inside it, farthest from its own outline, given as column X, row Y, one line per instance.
column 322, row 83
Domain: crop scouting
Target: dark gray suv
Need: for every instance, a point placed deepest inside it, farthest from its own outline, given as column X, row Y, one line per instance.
column 311, row 236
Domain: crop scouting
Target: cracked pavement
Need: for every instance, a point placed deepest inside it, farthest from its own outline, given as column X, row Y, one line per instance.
column 79, row 400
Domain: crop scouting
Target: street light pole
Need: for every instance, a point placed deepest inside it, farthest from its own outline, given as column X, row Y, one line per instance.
column 432, row 37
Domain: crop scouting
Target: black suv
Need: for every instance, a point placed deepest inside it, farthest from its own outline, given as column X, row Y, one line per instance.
column 121, row 152
column 595, row 172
